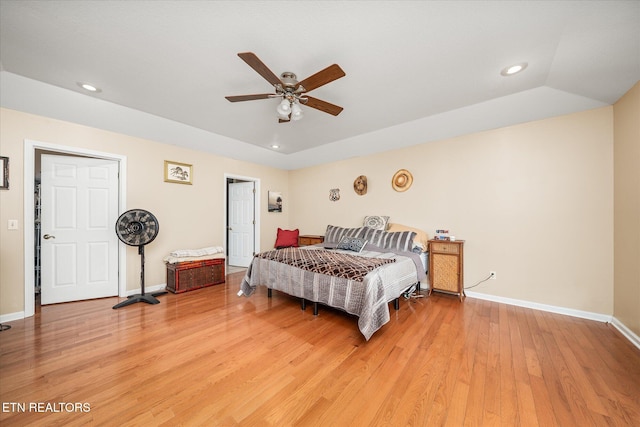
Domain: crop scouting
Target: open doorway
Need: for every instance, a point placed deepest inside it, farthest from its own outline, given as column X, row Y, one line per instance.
column 242, row 203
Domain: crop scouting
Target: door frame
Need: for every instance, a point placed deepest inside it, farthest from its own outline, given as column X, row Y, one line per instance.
column 256, row 210
column 30, row 147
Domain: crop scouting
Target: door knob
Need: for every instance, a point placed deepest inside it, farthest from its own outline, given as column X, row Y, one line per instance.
column 49, row 236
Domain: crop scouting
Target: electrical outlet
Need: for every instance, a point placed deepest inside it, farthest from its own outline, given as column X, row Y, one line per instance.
column 492, row 275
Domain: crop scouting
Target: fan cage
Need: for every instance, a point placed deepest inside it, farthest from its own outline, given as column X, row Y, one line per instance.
column 137, row 227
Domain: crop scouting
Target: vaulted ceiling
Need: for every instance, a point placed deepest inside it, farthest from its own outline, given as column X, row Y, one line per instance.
column 416, row 71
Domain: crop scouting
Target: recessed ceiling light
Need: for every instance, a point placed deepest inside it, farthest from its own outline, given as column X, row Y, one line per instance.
column 514, row 69
column 89, row 87
column 275, row 146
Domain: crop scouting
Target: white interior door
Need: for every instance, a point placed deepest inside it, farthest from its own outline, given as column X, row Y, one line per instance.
column 79, row 246
column 241, row 223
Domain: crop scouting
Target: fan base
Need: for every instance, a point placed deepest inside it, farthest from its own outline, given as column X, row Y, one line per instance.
column 132, row 299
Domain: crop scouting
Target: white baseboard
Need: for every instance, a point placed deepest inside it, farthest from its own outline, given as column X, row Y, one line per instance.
column 543, row 307
column 20, row 315
column 628, row 333
column 11, row 316
column 148, row 289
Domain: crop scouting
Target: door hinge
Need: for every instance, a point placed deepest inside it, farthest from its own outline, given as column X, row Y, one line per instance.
column 254, row 222
column 254, row 191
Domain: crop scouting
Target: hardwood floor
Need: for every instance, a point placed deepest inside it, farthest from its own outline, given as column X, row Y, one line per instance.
column 209, row 357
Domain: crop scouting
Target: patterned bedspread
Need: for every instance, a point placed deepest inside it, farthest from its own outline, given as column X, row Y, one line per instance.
column 364, row 297
column 337, row 264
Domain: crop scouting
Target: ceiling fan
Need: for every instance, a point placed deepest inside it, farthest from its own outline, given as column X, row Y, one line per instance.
column 290, row 90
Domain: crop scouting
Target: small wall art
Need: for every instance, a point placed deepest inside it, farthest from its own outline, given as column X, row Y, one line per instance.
column 402, row 180
column 178, row 173
column 334, row 194
column 360, row 185
column 275, row 201
column 4, row 169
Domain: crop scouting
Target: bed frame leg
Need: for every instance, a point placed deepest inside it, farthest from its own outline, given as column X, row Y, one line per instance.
column 418, row 287
column 396, row 303
column 315, row 308
column 269, row 292
column 303, row 303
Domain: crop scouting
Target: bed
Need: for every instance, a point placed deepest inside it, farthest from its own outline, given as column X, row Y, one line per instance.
column 361, row 279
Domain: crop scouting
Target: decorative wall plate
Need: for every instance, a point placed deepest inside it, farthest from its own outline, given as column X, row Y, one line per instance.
column 402, row 180
column 360, row 185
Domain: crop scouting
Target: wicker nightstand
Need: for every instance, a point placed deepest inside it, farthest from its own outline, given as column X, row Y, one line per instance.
column 446, row 266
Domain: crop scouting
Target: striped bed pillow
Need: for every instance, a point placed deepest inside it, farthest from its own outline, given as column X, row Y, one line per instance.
column 334, row 234
column 397, row 240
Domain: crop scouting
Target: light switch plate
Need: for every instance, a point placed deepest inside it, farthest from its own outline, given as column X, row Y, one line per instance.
column 12, row 224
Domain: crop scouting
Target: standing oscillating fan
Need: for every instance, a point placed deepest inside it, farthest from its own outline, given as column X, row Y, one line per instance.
column 138, row 227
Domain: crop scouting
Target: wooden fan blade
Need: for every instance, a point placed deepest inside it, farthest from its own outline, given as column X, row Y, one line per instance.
column 321, row 105
column 254, row 62
column 329, row 74
column 248, row 97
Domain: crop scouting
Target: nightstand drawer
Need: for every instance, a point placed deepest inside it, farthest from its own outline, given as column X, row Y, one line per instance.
column 445, row 247
column 306, row 240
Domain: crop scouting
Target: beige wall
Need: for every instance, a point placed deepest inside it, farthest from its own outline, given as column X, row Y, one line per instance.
column 534, row 203
column 627, row 210
column 189, row 216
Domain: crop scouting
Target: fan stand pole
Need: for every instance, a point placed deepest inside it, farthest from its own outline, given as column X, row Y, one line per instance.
column 141, row 297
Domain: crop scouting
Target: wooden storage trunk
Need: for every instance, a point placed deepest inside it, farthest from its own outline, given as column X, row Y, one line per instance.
column 187, row 276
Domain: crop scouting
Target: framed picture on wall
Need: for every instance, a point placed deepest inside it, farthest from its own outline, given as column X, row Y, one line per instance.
column 275, row 201
column 4, row 168
column 179, row 173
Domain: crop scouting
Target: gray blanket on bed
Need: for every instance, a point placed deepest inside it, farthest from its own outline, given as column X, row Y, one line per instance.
column 363, row 298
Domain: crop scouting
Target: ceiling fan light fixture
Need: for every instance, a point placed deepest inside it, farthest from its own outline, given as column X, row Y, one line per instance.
column 296, row 112
column 284, row 108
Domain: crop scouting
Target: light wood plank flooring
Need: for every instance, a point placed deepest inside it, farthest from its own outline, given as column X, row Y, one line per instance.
column 209, row 357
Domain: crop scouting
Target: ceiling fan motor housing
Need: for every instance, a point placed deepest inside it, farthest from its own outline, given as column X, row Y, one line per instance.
column 289, row 79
